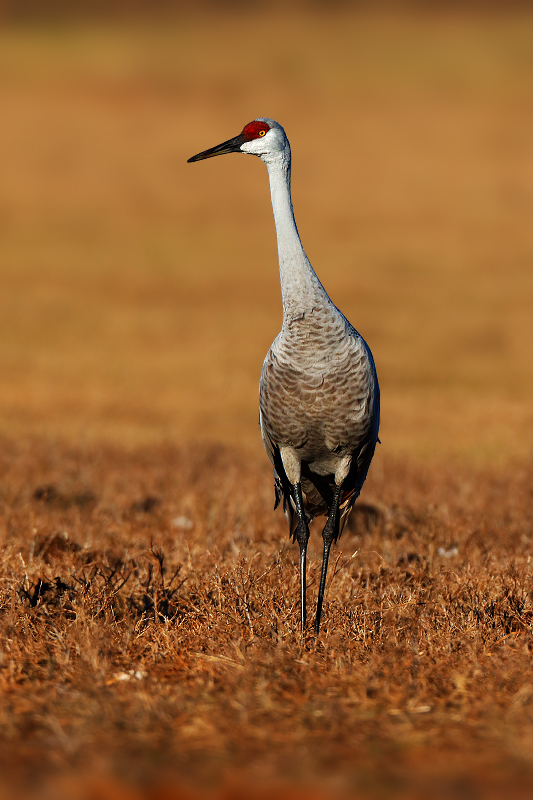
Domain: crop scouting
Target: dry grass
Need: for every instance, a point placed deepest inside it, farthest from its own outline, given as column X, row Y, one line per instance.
column 148, row 593
column 149, row 628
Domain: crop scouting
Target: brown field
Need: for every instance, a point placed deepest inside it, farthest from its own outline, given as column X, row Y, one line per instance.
column 150, row 630
column 149, row 644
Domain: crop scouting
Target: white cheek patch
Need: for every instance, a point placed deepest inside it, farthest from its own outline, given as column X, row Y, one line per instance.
column 255, row 147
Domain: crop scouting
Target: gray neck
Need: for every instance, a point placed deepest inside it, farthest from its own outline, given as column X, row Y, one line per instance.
column 301, row 290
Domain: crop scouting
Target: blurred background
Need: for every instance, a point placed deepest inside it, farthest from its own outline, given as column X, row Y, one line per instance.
column 139, row 293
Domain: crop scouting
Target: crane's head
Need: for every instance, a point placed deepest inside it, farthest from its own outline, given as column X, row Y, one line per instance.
column 263, row 137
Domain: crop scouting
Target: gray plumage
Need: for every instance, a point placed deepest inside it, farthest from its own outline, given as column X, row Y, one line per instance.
column 319, row 393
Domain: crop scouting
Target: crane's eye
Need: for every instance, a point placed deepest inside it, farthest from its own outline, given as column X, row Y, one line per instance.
column 261, row 133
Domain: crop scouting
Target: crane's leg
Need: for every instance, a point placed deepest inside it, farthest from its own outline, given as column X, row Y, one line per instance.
column 329, row 534
column 302, row 536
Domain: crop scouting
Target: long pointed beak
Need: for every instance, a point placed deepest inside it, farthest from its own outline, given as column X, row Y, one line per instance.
column 231, row 146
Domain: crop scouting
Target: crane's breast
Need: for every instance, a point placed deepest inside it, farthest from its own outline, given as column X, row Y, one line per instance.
column 318, row 397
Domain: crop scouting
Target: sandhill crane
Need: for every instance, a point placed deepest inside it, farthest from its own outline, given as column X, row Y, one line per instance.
column 319, row 393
